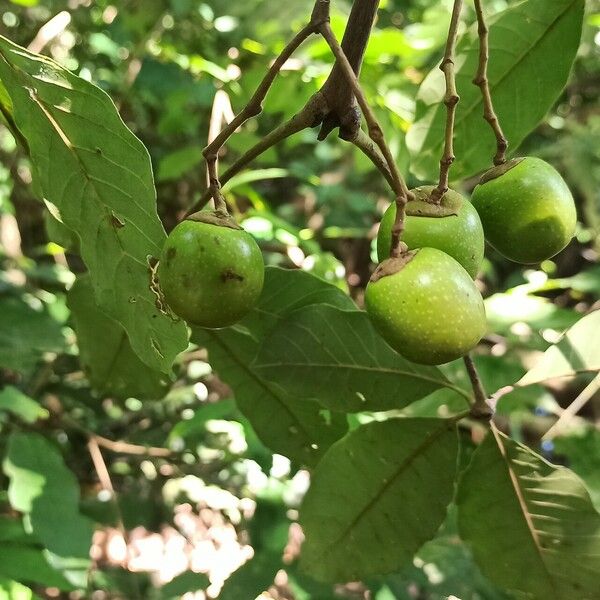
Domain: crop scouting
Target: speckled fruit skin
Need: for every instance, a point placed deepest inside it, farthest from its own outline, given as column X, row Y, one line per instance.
column 210, row 275
column 430, row 311
column 459, row 235
column 528, row 213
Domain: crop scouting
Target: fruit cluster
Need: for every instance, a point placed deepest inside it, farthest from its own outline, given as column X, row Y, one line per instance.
column 424, row 302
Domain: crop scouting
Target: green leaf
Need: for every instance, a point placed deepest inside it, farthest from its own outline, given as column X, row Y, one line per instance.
column 581, row 449
column 504, row 310
column 183, row 583
column 532, row 47
column 44, row 489
column 269, row 532
column 252, row 578
column 254, row 175
column 105, row 353
column 19, row 404
column 377, row 496
column 12, row 590
column 302, row 432
column 28, row 564
column 578, row 351
column 26, row 334
column 336, row 357
column 12, row 530
column 531, row 525
column 95, row 176
column 176, row 164
column 304, row 429
column 195, row 428
column 287, row 290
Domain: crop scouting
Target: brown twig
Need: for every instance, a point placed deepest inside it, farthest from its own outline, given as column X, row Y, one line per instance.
column 312, row 112
column 107, row 484
column 254, row 106
column 451, row 99
column 368, row 147
column 343, row 111
column 480, row 409
column 376, row 134
column 333, row 106
column 116, row 446
column 481, row 80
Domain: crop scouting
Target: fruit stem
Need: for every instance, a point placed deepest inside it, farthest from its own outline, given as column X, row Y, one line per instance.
column 480, row 409
column 399, row 187
column 481, row 80
column 451, row 99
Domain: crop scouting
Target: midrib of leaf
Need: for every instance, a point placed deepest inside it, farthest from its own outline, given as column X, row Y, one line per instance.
column 522, row 502
column 402, row 467
column 113, row 362
column 378, row 369
column 478, row 102
column 259, row 382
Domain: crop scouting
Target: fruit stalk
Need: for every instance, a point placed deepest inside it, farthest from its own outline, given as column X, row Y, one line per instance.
column 451, row 99
column 399, row 187
column 480, row 408
column 481, row 80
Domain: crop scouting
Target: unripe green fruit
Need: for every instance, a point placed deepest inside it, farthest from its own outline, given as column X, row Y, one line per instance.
column 454, row 227
column 429, row 311
column 527, row 210
column 211, row 275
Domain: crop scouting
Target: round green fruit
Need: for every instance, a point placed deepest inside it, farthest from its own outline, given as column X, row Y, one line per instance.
column 211, row 273
column 527, row 210
column 453, row 227
column 426, row 306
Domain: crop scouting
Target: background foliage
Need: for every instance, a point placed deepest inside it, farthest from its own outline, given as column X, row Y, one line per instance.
column 175, row 473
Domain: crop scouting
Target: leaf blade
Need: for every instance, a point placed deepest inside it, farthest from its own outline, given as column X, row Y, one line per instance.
column 96, row 177
column 42, row 487
column 337, row 357
column 364, row 517
column 538, row 517
column 576, row 352
column 522, row 38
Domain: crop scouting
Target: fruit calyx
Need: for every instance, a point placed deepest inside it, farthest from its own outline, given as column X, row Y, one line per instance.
column 500, row 170
column 214, row 217
column 390, row 266
column 422, row 206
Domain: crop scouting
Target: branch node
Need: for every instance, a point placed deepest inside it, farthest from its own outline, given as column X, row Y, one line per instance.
column 452, row 100
column 320, row 13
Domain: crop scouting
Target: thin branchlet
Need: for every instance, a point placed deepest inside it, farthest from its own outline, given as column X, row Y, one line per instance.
column 253, row 108
column 451, row 99
column 481, row 80
column 312, row 114
column 376, row 134
column 480, row 409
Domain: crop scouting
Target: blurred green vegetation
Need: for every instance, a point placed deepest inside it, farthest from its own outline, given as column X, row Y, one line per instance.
column 310, row 205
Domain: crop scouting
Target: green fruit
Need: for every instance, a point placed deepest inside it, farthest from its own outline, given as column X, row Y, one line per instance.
column 454, row 227
column 430, row 310
column 211, row 273
column 527, row 210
